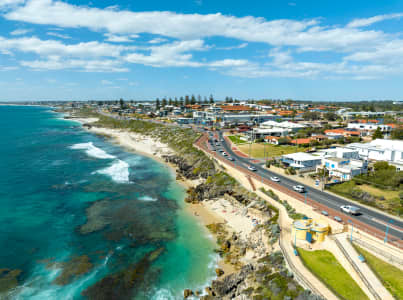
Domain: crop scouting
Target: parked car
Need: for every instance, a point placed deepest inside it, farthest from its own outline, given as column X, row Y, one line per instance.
column 274, row 178
column 349, row 209
column 338, row 219
column 251, row 168
column 231, row 158
column 299, row 188
column 224, row 153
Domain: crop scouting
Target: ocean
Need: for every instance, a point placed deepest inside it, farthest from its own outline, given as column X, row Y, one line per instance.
column 81, row 218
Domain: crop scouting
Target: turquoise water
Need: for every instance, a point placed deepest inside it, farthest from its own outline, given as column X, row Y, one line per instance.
column 53, row 175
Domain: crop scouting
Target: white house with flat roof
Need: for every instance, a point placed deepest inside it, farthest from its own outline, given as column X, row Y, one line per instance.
column 390, row 151
column 369, row 126
column 301, row 161
column 344, row 168
column 290, row 126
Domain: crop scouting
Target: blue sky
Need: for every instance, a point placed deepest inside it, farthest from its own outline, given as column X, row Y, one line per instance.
column 313, row 50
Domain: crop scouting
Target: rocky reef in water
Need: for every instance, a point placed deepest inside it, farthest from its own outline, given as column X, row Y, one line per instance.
column 131, row 219
column 126, row 283
column 8, row 281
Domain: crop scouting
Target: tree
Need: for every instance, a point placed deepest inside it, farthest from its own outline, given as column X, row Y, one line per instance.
column 397, row 134
column 164, row 102
column 330, row 116
column 377, row 134
column 187, row 102
column 193, row 100
column 205, row 100
column 181, row 101
column 176, row 102
column 211, row 99
column 170, row 101
column 122, row 103
column 157, row 104
column 311, row 115
column 199, row 99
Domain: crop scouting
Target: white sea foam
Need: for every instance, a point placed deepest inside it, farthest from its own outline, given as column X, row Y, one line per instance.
column 147, row 199
column 118, row 171
column 92, row 150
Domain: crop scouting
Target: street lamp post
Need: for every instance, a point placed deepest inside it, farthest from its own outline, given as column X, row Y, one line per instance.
column 352, row 228
column 387, row 230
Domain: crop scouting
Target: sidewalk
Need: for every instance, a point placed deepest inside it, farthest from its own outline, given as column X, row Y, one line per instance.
column 377, row 287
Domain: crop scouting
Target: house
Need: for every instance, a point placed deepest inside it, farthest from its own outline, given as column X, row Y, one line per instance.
column 369, row 127
column 260, row 133
column 301, row 161
column 301, row 142
column 343, row 168
column 339, row 133
column 277, row 140
column 290, row 126
column 390, row 151
column 236, row 108
column 243, row 128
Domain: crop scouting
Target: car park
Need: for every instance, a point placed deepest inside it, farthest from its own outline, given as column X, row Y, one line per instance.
column 350, row 209
column 299, row 188
column 274, row 178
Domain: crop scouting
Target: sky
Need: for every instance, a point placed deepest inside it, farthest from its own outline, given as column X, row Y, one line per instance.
column 140, row 50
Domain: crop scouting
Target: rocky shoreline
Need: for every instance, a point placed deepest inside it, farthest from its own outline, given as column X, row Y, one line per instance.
column 248, row 232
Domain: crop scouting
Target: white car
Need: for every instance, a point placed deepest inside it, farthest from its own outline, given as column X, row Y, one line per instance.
column 299, row 188
column 231, row 158
column 251, row 168
column 224, row 153
column 349, row 209
column 274, row 178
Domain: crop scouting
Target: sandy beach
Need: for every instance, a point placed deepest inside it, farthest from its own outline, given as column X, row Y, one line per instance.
column 207, row 212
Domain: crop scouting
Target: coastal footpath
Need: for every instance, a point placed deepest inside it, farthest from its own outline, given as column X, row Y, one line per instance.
column 244, row 225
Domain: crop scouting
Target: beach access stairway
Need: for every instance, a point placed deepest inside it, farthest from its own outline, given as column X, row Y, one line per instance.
column 365, row 273
column 251, row 182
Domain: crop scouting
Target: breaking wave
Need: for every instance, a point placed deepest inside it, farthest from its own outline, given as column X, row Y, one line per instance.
column 92, row 150
column 118, row 171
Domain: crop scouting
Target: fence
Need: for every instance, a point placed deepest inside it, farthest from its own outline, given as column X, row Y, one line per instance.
column 298, row 276
column 390, row 257
column 355, row 267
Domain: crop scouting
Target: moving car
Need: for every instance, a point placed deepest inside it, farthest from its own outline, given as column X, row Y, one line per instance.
column 274, row 178
column 349, row 209
column 299, row 188
column 251, row 168
column 224, row 153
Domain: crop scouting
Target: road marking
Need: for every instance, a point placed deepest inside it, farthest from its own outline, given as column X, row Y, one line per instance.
column 385, row 223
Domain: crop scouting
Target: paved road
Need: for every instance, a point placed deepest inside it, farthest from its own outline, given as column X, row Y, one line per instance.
column 368, row 216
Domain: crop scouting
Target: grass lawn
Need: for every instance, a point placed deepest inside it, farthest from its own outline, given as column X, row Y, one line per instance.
column 389, row 195
column 325, row 266
column 390, row 276
column 236, row 139
column 272, row 150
